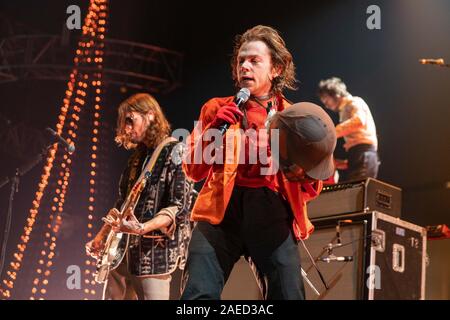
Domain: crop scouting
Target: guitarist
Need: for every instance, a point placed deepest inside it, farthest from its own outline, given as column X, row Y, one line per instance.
column 159, row 226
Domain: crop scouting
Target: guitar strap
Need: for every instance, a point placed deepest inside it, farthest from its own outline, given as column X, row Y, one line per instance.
column 151, row 163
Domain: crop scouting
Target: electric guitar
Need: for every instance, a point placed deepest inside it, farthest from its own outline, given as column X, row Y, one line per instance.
column 116, row 243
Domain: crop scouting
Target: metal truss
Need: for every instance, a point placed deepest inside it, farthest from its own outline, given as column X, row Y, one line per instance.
column 20, row 141
column 126, row 64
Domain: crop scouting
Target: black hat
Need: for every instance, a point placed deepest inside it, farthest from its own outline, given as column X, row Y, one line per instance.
column 307, row 138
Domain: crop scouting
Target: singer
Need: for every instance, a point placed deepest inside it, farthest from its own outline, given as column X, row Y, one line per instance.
column 239, row 210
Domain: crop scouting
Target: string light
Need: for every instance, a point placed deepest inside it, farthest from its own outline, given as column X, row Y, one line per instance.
column 76, row 89
column 89, row 284
column 81, row 102
column 11, row 274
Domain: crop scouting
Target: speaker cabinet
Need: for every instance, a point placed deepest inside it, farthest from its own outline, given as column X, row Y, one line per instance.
column 345, row 279
column 370, row 256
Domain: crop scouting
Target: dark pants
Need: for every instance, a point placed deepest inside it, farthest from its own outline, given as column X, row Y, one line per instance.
column 363, row 163
column 257, row 224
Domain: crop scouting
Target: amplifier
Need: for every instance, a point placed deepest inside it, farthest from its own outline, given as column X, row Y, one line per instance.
column 359, row 196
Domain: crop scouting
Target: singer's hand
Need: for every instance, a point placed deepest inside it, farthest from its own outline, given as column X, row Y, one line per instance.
column 227, row 114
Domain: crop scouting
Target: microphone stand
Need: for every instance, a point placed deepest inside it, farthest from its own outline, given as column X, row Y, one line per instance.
column 14, row 189
column 305, row 276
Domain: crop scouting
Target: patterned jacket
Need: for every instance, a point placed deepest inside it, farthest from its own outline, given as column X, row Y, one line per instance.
column 157, row 252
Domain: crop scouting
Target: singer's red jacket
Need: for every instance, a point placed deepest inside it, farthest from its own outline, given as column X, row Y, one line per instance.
column 213, row 199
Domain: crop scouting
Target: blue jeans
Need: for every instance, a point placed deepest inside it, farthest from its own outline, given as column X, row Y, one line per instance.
column 258, row 229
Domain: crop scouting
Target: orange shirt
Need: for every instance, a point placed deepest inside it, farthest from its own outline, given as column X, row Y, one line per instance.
column 213, row 199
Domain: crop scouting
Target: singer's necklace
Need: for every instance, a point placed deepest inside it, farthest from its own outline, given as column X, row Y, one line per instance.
column 259, row 100
column 262, row 98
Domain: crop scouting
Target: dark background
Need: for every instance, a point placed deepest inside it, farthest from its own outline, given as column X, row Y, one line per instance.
column 410, row 102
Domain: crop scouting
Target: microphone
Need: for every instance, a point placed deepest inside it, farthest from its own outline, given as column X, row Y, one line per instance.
column 240, row 98
column 333, row 258
column 432, row 61
column 68, row 146
column 331, row 246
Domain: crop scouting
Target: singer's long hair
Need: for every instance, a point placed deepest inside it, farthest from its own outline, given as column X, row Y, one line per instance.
column 142, row 103
column 281, row 57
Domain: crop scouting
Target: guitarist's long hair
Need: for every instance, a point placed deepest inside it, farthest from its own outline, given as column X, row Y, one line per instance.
column 142, row 103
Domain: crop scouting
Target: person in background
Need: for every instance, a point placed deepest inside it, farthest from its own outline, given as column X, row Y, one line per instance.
column 356, row 126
